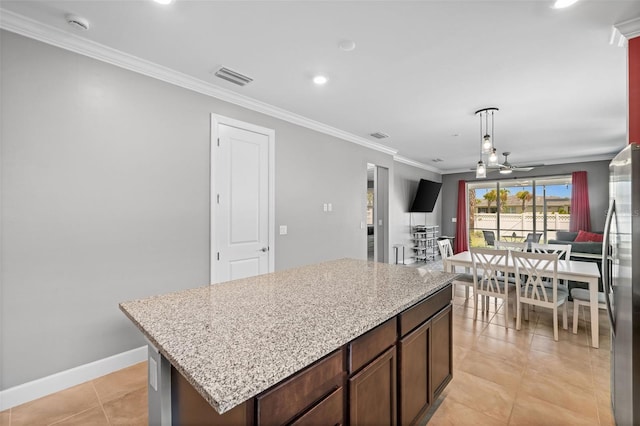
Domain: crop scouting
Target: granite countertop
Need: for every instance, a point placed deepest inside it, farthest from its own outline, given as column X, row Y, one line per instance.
column 233, row 340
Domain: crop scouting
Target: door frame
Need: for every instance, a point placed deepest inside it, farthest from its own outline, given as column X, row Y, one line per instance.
column 217, row 120
column 381, row 208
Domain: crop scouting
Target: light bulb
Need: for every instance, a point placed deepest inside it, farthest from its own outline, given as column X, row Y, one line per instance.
column 493, row 158
column 481, row 170
column 486, row 143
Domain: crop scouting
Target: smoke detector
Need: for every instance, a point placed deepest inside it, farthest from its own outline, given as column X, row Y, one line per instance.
column 77, row 22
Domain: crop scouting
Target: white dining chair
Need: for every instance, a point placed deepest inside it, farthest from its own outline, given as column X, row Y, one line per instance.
column 464, row 279
column 513, row 246
column 531, row 270
column 562, row 250
column 490, row 279
column 581, row 297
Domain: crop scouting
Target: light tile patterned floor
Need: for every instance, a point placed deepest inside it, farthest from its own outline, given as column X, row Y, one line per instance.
column 501, row 377
column 509, row 377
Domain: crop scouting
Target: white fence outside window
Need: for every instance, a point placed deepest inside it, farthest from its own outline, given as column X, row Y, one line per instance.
column 521, row 223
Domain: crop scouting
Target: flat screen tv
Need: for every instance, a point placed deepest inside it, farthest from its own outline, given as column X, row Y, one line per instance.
column 426, row 196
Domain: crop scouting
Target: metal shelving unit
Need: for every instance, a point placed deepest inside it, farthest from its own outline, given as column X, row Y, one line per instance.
column 425, row 246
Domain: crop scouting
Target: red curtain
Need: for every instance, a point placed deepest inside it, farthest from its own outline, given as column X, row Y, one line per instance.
column 580, row 215
column 462, row 240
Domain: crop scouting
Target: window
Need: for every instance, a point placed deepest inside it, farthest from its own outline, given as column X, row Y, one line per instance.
column 511, row 210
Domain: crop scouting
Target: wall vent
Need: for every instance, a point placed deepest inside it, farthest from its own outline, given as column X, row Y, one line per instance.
column 233, row 76
column 379, row 135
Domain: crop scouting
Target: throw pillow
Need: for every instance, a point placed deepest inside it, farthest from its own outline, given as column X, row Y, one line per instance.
column 585, row 237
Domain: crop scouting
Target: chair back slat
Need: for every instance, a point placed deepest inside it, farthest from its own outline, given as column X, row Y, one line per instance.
column 513, row 246
column 562, row 250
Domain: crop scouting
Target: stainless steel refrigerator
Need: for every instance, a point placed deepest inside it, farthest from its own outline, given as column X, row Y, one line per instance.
column 621, row 279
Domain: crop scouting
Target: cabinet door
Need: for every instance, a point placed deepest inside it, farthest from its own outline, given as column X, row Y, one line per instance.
column 413, row 370
column 372, row 392
column 441, row 351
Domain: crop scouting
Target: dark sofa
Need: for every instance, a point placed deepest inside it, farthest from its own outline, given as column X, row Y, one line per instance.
column 591, row 248
column 566, row 237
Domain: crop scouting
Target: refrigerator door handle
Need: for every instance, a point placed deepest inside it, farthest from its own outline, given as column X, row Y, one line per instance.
column 606, row 283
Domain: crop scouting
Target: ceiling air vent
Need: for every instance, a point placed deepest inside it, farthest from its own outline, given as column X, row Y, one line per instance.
column 233, row 76
column 379, row 135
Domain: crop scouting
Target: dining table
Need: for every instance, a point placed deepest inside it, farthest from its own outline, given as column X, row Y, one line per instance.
column 573, row 270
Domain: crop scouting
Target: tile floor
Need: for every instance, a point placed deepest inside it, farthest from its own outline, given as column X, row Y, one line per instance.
column 119, row 398
column 501, row 377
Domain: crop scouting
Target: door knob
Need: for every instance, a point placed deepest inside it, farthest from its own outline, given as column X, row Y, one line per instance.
column 264, row 249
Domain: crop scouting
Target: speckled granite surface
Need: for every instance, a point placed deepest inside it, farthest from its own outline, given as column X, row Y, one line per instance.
column 234, row 340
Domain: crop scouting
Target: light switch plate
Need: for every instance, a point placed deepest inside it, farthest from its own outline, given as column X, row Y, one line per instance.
column 454, row 220
column 283, row 229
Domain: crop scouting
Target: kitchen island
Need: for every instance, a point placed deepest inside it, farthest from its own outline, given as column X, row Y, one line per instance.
column 345, row 339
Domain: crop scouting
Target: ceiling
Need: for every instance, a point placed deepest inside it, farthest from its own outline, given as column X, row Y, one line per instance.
column 419, row 71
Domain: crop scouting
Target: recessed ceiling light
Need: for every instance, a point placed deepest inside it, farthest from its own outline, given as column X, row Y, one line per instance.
column 561, row 4
column 347, row 45
column 163, row 1
column 320, row 80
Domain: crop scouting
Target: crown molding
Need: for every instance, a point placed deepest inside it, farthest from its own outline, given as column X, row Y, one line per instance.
column 629, row 29
column 27, row 27
column 410, row 162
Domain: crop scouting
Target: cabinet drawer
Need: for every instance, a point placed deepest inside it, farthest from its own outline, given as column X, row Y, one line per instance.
column 422, row 311
column 280, row 404
column 330, row 411
column 371, row 344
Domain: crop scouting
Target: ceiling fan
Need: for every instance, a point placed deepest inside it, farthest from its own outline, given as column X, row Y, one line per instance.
column 505, row 167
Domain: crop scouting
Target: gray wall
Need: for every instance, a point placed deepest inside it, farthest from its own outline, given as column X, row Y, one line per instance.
column 597, row 178
column 405, row 185
column 105, row 198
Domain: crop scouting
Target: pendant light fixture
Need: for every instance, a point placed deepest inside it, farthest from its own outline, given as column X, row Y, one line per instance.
column 487, row 136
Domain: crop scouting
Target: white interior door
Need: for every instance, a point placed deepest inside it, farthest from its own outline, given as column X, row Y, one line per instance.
column 240, row 201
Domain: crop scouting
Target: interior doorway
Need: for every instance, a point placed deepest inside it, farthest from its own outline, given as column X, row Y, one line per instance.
column 377, row 213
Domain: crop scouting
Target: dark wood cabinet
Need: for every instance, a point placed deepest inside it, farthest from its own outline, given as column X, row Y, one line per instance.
column 424, row 355
column 372, row 392
column 441, row 351
column 414, row 374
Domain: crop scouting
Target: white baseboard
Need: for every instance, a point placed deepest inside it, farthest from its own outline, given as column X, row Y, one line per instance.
column 65, row 379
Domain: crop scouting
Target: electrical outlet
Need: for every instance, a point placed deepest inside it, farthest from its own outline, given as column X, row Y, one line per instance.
column 153, row 374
